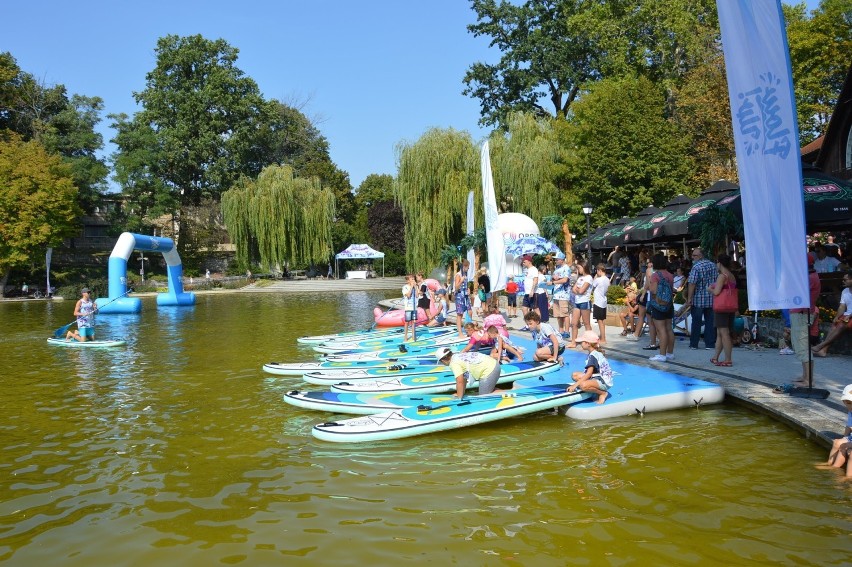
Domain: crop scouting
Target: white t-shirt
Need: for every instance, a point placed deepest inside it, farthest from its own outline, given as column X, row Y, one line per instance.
column 583, row 297
column 529, row 275
column 410, row 303
column 846, row 299
column 600, row 286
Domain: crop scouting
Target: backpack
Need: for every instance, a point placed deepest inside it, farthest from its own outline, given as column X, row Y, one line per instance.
column 663, row 297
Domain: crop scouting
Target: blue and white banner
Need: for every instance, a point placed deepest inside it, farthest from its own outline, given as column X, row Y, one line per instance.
column 493, row 236
column 471, row 227
column 766, row 136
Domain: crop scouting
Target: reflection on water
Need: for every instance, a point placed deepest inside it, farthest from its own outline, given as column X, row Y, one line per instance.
column 178, row 450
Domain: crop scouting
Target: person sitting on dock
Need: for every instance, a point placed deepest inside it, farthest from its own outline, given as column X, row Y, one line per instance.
column 549, row 342
column 842, row 321
column 840, row 449
column 597, row 377
column 470, row 367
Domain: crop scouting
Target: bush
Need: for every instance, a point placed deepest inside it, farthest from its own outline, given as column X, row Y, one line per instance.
column 615, row 295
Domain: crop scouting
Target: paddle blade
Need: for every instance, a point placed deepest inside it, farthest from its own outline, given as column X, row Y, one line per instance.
column 60, row 332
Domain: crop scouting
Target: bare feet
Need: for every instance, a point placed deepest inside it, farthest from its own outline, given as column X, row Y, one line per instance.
column 601, row 398
column 821, row 352
column 571, row 345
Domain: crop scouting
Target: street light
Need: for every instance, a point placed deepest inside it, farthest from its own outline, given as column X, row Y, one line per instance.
column 587, row 210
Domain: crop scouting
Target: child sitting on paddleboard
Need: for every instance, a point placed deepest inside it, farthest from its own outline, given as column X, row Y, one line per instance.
column 440, row 319
column 841, row 448
column 597, row 377
column 549, row 342
column 503, row 350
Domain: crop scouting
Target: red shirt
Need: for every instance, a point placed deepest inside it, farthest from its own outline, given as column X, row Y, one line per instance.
column 815, row 287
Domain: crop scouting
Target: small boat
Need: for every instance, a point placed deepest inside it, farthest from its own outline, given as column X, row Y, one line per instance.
column 451, row 414
column 85, row 344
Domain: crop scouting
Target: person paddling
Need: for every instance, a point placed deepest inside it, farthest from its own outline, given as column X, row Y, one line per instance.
column 84, row 310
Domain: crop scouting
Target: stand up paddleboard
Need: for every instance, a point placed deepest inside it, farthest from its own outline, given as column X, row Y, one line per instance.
column 442, row 339
column 302, row 368
column 85, row 344
column 429, row 418
column 445, row 381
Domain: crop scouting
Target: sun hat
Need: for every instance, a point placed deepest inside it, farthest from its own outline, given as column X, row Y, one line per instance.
column 847, row 393
column 85, row 290
column 442, row 353
column 588, row 337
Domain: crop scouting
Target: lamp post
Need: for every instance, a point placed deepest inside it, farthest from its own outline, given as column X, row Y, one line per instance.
column 587, row 210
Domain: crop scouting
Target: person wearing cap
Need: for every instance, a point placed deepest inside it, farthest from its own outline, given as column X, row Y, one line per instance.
column 562, row 295
column 597, row 377
column 84, row 311
column 799, row 323
column 463, row 304
column 842, row 321
column 840, row 449
column 531, row 276
column 470, row 367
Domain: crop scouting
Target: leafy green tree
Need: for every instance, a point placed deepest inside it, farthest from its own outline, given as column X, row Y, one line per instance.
column 551, row 48
column 627, row 154
column 38, row 202
column 434, row 177
column 202, row 114
column 385, row 225
column 286, row 219
column 373, row 190
column 820, row 52
column 63, row 125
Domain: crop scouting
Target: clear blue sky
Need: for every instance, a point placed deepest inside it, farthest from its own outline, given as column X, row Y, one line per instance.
column 372, row 72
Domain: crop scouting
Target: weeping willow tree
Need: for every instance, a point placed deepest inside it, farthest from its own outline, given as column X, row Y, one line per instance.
column 434, row 177
column 283, row 218
column 524, row 161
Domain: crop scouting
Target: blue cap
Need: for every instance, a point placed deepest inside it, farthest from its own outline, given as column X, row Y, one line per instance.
column 560, row 256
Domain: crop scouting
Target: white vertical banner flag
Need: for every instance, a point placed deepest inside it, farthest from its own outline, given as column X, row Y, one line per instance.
column 493, row 236
column 766, row 137
column 47, row 257
column 471, row 227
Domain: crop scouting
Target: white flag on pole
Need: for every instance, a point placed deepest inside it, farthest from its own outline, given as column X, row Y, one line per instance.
column 471, row 227
column 493, row 236
column 766, row 136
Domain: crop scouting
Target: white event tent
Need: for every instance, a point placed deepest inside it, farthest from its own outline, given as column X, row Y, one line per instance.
column 358, row 252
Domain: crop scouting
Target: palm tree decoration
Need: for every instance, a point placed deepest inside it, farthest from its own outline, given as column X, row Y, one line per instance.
column 554, row 226
column 450, row 259
column 716, row 225
column 476, row 242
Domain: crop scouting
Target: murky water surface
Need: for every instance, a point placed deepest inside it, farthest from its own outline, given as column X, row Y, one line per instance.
column 177, row 450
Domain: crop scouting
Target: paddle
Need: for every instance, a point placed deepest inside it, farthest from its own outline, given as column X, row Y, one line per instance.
column 58, row 333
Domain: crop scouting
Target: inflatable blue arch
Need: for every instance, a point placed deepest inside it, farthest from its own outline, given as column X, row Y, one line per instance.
column 127, row 243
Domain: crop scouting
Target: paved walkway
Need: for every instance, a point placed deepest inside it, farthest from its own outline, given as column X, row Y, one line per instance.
column 324, row 285
column 756, row 371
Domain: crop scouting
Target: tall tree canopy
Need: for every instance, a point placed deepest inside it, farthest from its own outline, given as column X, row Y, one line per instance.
column 551, row 48
column 63, row 126
column 524, row 162
column 627, row 154
column 196, row 132
column 286, row 219
column 38, row 202
column 434, row 177
column 820, row 54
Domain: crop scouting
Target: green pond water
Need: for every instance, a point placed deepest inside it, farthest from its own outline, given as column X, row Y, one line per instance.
column 177, row 450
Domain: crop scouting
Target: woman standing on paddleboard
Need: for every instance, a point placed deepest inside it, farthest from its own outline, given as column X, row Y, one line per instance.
column 84, row 310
